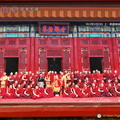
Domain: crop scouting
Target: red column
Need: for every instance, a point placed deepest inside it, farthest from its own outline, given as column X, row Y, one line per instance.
column 32, row 54
column 75, row 52
column 115, row 57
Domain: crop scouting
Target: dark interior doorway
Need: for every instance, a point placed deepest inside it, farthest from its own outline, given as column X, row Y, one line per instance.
column 11, row 65
column 96, row 63
column 54, row 64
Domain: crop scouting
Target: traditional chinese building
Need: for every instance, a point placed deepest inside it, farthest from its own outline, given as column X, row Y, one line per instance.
column 74, row 35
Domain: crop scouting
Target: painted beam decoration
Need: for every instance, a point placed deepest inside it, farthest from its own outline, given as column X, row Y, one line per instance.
column 50, row 29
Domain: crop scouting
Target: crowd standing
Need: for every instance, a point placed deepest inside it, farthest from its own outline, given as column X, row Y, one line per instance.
column 67, row 84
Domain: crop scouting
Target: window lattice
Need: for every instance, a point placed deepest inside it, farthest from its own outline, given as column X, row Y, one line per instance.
column 54, row 53
column 11, row 52
column 96, row 52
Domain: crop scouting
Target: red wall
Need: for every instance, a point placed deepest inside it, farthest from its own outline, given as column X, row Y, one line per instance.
column 75, row 52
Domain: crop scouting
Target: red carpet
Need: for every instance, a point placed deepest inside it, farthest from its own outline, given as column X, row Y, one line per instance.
column 63, row 99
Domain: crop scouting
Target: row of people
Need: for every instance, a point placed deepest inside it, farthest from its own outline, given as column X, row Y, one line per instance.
column 59, row 83
column 28, row 92
column 63, row 77
column 73, row 91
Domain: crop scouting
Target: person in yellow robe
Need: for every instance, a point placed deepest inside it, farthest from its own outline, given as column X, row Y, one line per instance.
column 4, row 79
column 47, row 79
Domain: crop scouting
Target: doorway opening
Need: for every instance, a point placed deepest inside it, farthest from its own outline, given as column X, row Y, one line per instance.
column 96, row 63
column 54, row 64
column 11, row 65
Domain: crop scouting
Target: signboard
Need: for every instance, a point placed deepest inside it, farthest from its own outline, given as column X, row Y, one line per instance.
column 57, row 29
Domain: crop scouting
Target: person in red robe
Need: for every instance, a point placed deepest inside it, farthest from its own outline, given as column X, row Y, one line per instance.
column 28, row 92
column 87, row 81
column 34, row 78
column 95, row 82
column 49, row 91
column 78, row 91
column 11, row 92
column 20, row 91
column 115, row 75
column 25, row 77
column 117, row 87
column 111, row 76
column 15, row 84
column 36, row 93
column 76, row 77
column 103, row 90
column 89, row 75
column 105, row 75
column 52, row 77
column 11, row 79
column 33, row 85
column 24, row 84
column 80, row 84
column 86, row 91
column 73, row 95
column 29, row 77
column 99, row 76
column 116, row 82
column 42, row 92
column 94, row 90
column 72, row 77
column 81, row 77
column 94, row 75
column 3, row 91
column 67, row 92
column 112, row 91
column 19, row 79
column 16, row 76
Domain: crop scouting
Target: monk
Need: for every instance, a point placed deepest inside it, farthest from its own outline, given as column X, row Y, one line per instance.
column 72, row 77
column 47, row 79
column 36, row 93
column 76, row 77
column 56, row 85
column 25, row 78
column 20, row 91
column 24, row 84
column 11, row 92
column 103, row 91
column 3, row 91
column 28, row 92
column 94, row 75
column 68, row 79
column 49, row 91
column 52, row 77
column 80, row 84
column 94, row 90
column 63, row 81
column 34, row 78
column 81, row 77
column 42, row 92
column 33, row 85
column 11, row 79
column 78, row 91
column 117, row 87
column 67, row 91
column 111, row 90
column 4, row 80
column 86, row 91
column 19, row 79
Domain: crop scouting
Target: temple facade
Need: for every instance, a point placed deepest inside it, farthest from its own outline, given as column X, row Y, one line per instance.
column 43, row 36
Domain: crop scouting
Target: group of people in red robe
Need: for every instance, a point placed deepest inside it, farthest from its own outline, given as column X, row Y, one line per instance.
column 67, row 84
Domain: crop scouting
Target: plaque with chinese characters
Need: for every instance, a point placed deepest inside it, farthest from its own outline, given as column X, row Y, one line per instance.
column 51, row 29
